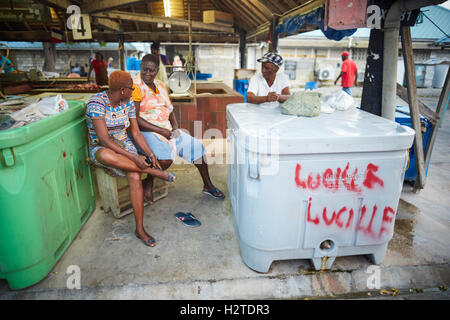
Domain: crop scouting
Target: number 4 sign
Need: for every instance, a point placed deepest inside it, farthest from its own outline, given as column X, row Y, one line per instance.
column 80, row 24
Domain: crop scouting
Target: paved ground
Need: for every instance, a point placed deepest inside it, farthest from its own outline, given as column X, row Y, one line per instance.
column 205, row 263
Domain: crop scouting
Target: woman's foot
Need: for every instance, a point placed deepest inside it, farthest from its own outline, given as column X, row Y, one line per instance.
column 164, row 175
column 213, row 192
column 147, row 239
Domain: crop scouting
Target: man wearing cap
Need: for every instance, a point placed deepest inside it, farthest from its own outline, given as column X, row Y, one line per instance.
column 269, row 88
column 349, row 73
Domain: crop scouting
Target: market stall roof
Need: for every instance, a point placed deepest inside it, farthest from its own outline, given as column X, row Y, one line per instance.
column 148, row 21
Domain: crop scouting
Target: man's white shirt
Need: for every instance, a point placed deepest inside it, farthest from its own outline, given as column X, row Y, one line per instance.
column 258, row 85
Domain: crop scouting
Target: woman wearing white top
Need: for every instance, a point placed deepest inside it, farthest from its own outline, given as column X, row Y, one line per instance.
column 269, row 88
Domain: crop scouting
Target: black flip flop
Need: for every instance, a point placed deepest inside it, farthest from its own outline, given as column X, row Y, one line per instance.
column 212, row 191
column 149, row 243
column 187, row 219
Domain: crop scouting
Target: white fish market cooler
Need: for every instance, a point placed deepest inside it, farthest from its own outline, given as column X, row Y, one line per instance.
column 313, row 188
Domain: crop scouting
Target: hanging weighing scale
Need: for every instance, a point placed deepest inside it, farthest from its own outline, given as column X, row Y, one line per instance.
column 179, row 83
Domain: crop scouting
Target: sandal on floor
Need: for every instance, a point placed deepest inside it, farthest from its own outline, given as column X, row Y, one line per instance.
column 149, row 243
column 187, row 219
column 212, row 191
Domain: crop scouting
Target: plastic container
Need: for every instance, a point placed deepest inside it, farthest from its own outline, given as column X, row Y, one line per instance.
column 403, row 117
column 46, row 193
column 241, row 86
column 312, row 85
column 200, row 76
column 313, row 188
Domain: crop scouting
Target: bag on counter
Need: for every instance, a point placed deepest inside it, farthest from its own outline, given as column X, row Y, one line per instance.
column 340, row 100
column 27, row 115
column 52, row 105
column 305, row 104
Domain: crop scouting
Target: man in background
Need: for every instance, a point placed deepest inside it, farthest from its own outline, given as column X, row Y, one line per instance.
column 349, row 73
column 163, row 61
column 8, row 66
column 99, row 67
column 155, row 48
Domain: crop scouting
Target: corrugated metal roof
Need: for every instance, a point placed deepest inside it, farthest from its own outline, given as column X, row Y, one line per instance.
column 421, row 31
column 24, row 45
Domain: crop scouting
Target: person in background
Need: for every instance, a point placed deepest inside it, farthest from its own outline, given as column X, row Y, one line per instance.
column 155, row 48
column 83, row 72
column 99, row 66
column 178, row 65
column 111, row 122
column 349, row 73
column 8, row 65
column 269, row 88
column 160, row 128
column 110, row 62
column 162, row 73
column 76, row 69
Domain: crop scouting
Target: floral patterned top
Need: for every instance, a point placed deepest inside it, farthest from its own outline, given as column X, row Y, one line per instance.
column 156, row 106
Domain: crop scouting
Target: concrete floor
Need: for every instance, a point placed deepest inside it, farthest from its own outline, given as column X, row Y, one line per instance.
column 205, row 262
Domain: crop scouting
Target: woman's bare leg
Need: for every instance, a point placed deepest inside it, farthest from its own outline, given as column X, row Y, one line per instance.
column 148, row 182
column 137, row 202
column 113, row 159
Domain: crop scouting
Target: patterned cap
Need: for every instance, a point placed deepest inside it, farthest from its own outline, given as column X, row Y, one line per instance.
column 273, row 58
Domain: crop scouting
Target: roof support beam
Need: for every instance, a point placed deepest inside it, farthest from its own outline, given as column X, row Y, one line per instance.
column 103, row 5
column 144, row 18
column 60, row 4
column 128, row 37
column 107, row 23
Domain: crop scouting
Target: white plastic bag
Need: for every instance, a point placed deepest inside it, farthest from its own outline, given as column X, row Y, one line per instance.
column 344, row 101
column 52, row 105
column 28, row 114
column 339, row 100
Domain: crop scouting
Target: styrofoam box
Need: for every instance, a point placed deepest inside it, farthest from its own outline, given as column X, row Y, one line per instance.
column 313, row 188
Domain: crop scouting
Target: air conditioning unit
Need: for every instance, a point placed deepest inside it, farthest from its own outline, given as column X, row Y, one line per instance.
column 326, row 73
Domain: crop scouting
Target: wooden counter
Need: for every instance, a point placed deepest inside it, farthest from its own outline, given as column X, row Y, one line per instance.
column 206, row 109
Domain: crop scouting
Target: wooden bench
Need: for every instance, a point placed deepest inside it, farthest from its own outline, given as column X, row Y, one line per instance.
column 114, row 191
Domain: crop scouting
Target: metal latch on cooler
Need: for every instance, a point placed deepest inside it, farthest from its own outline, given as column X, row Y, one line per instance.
column 8, row 157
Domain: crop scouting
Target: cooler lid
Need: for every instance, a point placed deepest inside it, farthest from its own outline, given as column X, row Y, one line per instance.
column 353, row 130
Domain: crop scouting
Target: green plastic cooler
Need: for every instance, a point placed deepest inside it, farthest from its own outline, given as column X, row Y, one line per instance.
column 46, row 193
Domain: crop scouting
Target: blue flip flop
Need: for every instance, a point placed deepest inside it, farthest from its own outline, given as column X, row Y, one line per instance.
column 187, row 219
column 212, row 191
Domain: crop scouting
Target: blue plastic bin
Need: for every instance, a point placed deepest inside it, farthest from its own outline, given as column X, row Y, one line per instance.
column 241, row 86
column 311, row 85
column 403, row 117
column 200, row 76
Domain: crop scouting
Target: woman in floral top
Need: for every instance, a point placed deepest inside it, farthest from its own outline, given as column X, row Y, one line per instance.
column 109, row 115
column 160, row 128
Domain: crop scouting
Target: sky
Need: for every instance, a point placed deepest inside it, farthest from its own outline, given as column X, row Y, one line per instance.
column 446, row 4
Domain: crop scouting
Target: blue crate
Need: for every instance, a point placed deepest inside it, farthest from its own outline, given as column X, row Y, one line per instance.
column 241, row 86
column 403, row 117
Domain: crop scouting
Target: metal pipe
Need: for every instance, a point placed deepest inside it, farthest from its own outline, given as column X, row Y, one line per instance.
column 390, row 51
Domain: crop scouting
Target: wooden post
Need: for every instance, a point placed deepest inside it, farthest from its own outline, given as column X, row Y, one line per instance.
column 49, row 56
column 242, row 48
column 439, row 111
column 121, row 53
column 413, row 105
column 273, row 35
